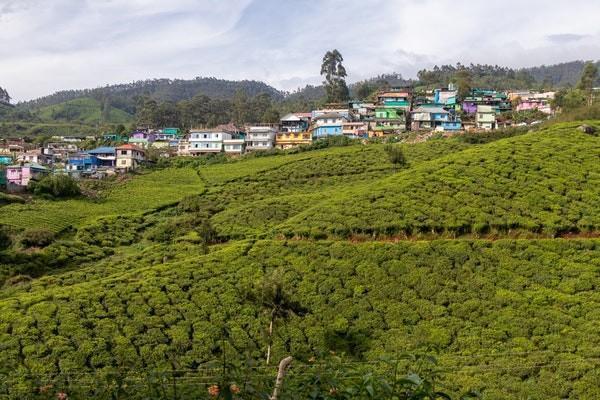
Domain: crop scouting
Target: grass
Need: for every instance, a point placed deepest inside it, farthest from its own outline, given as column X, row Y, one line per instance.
column 140, row 194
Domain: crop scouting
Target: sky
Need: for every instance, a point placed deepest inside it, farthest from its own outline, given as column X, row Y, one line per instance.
column 51, row 45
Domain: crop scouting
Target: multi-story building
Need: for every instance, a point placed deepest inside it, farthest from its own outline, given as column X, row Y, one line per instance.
column 329, row 124
column 295, row 122
column 206, row 141
column 485, row 118
column 260, row 138
column 234, row 146
column 287, row 140
column 129, row 156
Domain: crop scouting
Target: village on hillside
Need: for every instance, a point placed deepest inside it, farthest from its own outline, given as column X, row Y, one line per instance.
column 394, row 112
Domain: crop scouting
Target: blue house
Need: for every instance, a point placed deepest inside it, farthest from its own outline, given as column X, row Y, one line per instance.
column 329, row 124
column 107, row 156
column 82, row 162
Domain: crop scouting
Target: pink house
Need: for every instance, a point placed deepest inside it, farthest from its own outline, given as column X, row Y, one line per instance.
column 18, row 175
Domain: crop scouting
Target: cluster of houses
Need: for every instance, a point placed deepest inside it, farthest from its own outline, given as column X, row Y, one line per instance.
column 393, row 111
column 20, row 162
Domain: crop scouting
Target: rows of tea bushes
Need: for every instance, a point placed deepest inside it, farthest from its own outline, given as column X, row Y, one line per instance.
column 517, row 318
column 543, row 183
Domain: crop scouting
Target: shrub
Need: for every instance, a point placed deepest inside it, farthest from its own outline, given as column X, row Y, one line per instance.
column 396, row 155
column 55, row 186
column 5, row 239
column 37, row 238
column 10, row 198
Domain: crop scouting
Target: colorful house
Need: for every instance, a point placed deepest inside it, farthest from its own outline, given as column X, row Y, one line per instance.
column 142, row 138
column 486, row 97
column 83, row 162
column 400, row 98
column 19, row 176
column 329, row 124
column 129, row 156
column 295, row 122
column 106, row 156
column 485, row 118
column 389, row 119
column 534, row 101
column 288, row 140
column 260, row 138
column 355, row 129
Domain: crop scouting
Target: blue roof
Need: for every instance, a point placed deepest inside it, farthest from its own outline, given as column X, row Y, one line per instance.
column 102, row 150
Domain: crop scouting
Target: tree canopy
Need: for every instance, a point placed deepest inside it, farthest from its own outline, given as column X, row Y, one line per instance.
column 335, row 74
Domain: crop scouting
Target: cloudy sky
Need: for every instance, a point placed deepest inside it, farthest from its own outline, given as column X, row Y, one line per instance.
column 49, row 45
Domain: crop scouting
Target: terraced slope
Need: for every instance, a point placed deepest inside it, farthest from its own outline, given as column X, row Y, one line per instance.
column 541, row 183
column 510, row 308
column 167, row 273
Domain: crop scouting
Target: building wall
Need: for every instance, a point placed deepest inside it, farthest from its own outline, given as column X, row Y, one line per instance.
column 331, row 130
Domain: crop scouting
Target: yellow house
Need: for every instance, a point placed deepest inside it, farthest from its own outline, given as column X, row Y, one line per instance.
column 287, row 140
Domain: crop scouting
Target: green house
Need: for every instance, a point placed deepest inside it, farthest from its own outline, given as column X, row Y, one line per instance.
column 390, row 119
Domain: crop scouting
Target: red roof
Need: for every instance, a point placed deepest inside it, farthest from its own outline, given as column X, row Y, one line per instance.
column 129, row 146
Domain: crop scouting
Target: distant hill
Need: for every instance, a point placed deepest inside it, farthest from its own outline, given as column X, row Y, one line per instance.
column 123, row 96
column 559, row 75
column 85, row 110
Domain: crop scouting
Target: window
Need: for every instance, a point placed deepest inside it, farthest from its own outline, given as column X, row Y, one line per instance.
column 123, row 162
column 123, row 152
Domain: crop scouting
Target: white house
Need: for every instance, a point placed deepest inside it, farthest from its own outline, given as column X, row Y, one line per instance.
column 206, row 142
column 485, row 117
column 260, row 138
column 234, row 146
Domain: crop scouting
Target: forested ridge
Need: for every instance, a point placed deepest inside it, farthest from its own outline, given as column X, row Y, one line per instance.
column 143, row 289
column 105, row 107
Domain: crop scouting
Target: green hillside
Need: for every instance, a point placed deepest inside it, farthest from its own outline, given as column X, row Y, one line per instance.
column 457, row 254
column 85, row 110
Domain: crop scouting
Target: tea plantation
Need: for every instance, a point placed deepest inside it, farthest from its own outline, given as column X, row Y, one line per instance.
column 483, row 255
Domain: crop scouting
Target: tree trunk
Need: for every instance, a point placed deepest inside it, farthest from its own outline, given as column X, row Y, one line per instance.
column 283, row 366
column 270, row 337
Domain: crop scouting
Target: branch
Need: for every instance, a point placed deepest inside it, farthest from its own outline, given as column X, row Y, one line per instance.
column 283, row 366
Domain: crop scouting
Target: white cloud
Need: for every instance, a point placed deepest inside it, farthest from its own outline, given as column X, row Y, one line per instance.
column 62, row 44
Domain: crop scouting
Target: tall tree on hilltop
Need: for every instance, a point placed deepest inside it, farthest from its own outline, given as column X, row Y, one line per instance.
column 4, row 96
column 335, row 74
column 587, row 81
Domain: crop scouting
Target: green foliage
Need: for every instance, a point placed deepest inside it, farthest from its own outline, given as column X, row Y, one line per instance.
column 85, row 110
column 6, row 198
column 5, row 238
column 335, row 77
column 141, row 296
column 517, row 185
column 503, row 315
column 396, row 155
column 55, row 187
column 476, row 76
